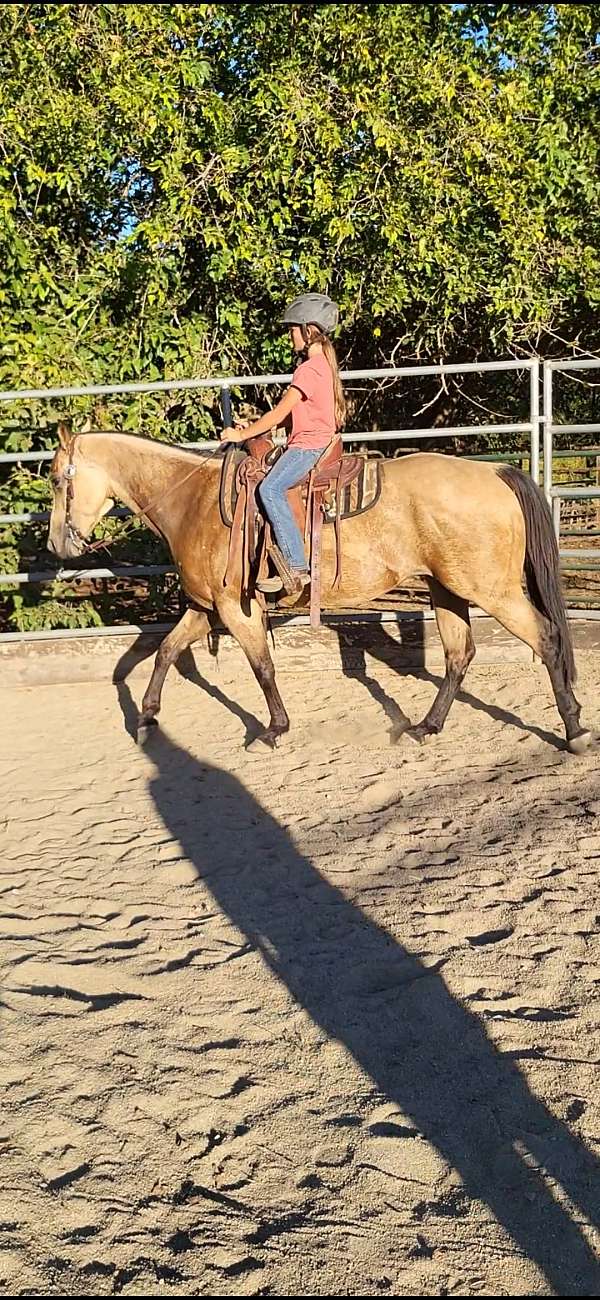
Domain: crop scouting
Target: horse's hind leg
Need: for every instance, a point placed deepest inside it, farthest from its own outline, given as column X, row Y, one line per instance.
column 454, row 627
column 518, row 616
column 193, row 625
column 250, row 633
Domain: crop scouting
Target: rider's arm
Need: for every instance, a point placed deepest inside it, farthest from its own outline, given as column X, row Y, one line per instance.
column 270, row 420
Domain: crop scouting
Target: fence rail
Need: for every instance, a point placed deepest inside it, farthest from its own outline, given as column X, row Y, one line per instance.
column 254, row 381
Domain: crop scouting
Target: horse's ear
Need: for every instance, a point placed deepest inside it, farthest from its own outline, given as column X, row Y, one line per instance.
column 64, row 435
column 87, row 425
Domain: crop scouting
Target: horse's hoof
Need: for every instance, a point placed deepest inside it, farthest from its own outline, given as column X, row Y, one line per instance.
column 266, row 739
column 145, row 730
column 579, row 744
column 420, row 735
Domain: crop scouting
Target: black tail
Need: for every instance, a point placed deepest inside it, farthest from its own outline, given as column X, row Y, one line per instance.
column 542, row 565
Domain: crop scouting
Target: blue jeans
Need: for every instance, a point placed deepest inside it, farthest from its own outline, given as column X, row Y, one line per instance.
column 289, row 470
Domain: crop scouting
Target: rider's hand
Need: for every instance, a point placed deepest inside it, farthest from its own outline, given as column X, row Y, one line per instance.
column 235, row 435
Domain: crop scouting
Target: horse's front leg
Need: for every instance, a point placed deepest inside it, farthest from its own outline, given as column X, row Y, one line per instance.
column 250, row 633
column 191, row 627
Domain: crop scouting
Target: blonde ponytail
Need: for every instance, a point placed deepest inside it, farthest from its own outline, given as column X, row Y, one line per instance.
column 338, row 390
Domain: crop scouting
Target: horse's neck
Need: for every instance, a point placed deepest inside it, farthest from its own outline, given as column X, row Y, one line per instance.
column 152, row 482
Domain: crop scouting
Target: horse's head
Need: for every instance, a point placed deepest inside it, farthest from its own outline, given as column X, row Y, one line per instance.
column 81, row 496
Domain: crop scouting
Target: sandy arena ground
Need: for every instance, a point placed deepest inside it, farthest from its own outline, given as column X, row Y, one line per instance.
column 311, row 1023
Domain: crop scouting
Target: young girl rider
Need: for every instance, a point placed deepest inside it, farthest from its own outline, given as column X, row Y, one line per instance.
column 313, row 409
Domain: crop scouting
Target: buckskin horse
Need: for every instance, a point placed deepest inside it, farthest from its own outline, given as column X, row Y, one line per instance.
column 471, row 529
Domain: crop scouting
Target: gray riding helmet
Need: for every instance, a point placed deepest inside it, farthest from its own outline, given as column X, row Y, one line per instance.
column 312, row 309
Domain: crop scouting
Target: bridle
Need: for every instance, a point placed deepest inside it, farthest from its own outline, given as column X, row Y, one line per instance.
column 73, row 533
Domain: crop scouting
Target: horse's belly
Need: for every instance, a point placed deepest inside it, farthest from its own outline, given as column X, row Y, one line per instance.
column 362, row 589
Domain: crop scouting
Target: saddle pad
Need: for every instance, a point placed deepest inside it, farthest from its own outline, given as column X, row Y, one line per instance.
column 358, row 496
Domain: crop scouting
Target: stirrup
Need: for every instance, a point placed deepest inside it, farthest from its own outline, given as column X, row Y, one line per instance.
column 280, row 563
column 299, row 579
column 294, row 580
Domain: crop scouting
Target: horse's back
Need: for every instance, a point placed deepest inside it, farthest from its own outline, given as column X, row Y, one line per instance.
column 429, row 468
column 456, row 484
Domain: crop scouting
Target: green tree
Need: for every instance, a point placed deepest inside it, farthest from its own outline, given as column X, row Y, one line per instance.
column 170, row 173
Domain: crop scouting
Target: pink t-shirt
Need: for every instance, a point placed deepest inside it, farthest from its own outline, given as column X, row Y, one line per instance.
column 313, row 419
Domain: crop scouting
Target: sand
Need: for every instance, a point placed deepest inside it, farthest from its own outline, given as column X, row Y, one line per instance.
column 317, row 1022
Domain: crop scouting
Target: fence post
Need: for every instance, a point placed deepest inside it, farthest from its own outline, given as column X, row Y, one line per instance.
column 226, row 412
column 534, row 416
column 548, row 431
column 556, row 503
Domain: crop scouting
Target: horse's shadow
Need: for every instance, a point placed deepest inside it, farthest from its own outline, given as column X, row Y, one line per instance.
column 422, row 1050
column 388, row 651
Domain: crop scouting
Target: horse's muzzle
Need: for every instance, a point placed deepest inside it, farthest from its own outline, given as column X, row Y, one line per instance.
column 65, row 548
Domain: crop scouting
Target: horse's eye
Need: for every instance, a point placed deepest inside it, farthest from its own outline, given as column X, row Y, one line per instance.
column 55, row 480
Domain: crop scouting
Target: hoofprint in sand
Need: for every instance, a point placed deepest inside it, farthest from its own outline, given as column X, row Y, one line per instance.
column 316, row 1022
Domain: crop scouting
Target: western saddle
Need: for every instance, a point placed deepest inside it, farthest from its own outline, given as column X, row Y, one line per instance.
column 324, row 495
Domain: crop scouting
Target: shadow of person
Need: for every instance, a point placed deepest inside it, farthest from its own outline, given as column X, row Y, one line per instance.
column 388, row 651
column 420, row 1047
